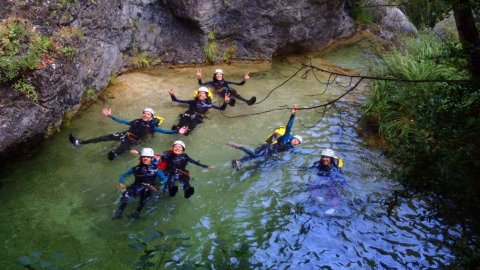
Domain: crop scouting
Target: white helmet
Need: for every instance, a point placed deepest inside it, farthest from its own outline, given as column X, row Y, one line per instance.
column 328, row 153
column 203, row 89
column 218, row 71
column 179, row 143
column 147, row 152
column 150, row 110
column 299, row 138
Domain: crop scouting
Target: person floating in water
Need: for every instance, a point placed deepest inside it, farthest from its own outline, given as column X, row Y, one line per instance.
column 330, row 181
column 197, row 109
column 328, row 163
column 147, row 178
column 222, row 87
column 173, row 163
column 275, row 143
column 139, row 130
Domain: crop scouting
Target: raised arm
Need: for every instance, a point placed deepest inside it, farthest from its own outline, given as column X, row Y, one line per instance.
column 246, row 76
column 288, row 130
column 225, row 103
column 171, row 92
column 108, row 112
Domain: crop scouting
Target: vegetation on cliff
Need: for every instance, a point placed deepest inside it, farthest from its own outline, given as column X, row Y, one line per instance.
column 23, row 50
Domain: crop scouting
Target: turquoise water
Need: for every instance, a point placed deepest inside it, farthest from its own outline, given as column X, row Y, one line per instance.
column 57, row 206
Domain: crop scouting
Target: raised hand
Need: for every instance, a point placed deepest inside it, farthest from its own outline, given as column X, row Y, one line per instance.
column 107, row 111
column 170, row 90
column 199, row 73
column 294, row 108
column 246, row 76
column 227, row 97
column 183, row 130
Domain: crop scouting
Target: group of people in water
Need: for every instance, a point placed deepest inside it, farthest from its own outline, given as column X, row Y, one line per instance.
column 162, row 172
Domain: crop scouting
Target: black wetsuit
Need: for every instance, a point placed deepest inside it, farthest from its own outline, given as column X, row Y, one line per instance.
column 138, row 131
column 195, row 113
column 145, row 182
column 323, row 170
column 176, row 171
column 222, row 87
column 283, row 143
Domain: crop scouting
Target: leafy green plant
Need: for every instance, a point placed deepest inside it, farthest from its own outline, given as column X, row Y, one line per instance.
column 69, row 51
column 51, row 130
column 112, row 78
column 27, row 89
column 90, row 95
column 67, row 118
column 157, row 248
column 431, row 129
column 136, row 23
column 21, row 49
column 142, row 60
column 39, row 260
column 362, row 16
column 231, row 52
column 211, row 49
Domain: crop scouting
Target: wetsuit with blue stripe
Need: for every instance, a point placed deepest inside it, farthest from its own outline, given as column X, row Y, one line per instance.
column 196, row 112
column 138, row 131
column 283, row 144
column 146, row 181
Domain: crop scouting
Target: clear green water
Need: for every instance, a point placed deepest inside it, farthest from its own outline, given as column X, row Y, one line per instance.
column 57, row 206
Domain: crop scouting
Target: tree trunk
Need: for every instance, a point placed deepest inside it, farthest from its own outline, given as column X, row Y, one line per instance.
column 468, row 34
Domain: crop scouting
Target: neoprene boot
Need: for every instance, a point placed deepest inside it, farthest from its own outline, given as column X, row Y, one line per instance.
column 134, row 215
column 76, row 142
column 188, row 192
column 236, row 164
column 112, row 155
column 250, row 102
column 172, row 191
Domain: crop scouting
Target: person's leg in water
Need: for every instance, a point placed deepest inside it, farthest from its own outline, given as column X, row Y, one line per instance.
column 193, row 124
column 110, row 137
column 222, row 93
column 126, row 197
column 235, row 94
column 125, row 144
column 252, row 154
column 187, row 121
column 144, row 196
column 188, row 190
column 172, row 188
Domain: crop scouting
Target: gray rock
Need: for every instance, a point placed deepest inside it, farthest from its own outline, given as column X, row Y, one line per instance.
column 447, row 29
column 392, row 21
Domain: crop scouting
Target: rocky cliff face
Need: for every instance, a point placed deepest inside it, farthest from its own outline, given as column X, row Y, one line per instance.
column 171, row 31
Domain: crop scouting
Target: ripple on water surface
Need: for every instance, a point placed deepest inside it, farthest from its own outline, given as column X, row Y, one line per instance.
column 61, row 200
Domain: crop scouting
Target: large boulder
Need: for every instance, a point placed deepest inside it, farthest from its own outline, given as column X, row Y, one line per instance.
column 392, row 21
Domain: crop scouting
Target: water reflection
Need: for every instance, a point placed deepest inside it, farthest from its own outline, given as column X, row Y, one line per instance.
column 262, row 217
